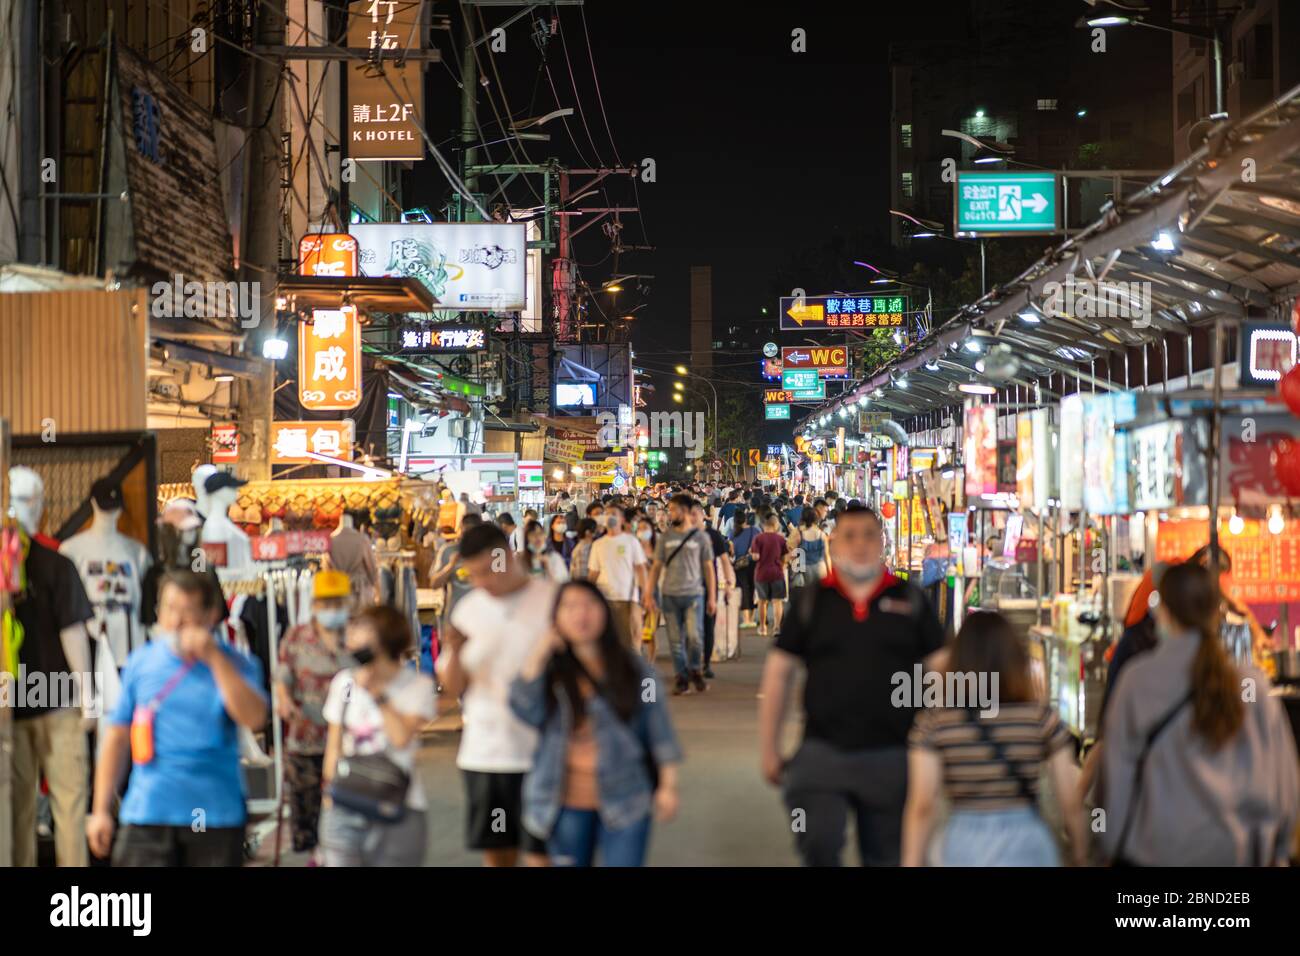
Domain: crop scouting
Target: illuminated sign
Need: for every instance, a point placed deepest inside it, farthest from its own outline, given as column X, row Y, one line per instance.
column 1005, row 204
column 327, row 254
column 1269, row 350
column 329, row 360
column 829, row 361
column 225, row 444
column 780, row 396
column 774, row 412
column 385, row 99
column 291, row 441
column 799, row 378
column 442, row 339
column 843, row 312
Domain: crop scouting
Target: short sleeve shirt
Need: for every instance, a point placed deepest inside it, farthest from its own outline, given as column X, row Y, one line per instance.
column 54, row 599
column 307, row 666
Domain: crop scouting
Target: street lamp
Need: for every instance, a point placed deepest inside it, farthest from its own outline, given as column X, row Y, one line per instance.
column 1211, row 34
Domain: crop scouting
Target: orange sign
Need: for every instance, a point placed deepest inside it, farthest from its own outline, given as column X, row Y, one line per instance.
column 225, row 444
column 1265, row 566
column 328, row 254
column 329, row 360
column 755, row 456
column 291, row 441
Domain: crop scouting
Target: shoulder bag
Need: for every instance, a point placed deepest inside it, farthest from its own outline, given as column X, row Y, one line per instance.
column 372, row 785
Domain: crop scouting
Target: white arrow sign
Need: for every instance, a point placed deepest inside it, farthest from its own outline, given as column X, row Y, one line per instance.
column 1037, row 202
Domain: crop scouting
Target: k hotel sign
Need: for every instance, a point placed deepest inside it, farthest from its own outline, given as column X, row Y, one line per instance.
column 329, row 360
column 442, row 338
column 830, row 361
column 385, row 99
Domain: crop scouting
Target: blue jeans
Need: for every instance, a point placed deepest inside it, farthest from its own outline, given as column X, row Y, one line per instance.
column 998, row 838
column 685, row 613
column 578, row 834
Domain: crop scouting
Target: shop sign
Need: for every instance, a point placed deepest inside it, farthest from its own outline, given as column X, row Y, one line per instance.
column 442, row 338
column 385, row 100
column 291, row 441
column 771, row 368
column 1268, row 352
column 1105, row 452
column 1025, row 459
column 842, row 312
column 980, row 445
column 1007, row 466
column 774, row 451
column 225, row 444
column 901, row 490
column 1005, row 203
column 557, row 449
column 467, row 266
column 281, row 544
column 829, row 361
column 1168, row 471
column 1044, row 457
column 329, row 360
column 902, row 461
column 328, row 254
column 529, row 475
column 1070, row 469
column 779, row 396
column 1265, row 566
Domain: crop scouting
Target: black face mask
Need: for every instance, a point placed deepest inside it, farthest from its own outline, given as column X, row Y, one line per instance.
column 363, row 656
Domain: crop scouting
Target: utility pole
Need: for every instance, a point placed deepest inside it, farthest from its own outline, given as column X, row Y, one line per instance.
column 259, row 253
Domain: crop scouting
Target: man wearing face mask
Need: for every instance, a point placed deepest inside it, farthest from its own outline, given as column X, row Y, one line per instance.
column 683, row 564
column 853, row 633
column 618, row 567
column 184, row 694
column 310, row 655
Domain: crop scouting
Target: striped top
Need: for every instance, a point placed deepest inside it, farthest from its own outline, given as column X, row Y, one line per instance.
column 974, row 776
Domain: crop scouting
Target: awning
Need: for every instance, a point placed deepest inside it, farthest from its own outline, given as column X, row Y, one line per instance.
column 1232, row 250
column 218, row 361
column 367, row 293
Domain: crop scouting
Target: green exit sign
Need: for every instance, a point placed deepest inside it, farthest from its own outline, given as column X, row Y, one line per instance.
column 799, row 378
column 1006, row 203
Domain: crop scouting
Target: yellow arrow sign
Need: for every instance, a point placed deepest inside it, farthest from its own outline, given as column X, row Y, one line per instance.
column 806, row 313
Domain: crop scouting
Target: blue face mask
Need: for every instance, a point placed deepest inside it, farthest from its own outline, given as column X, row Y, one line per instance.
column 332, row 618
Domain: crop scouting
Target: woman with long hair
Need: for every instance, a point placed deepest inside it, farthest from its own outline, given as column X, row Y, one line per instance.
column 986, row 751
column 1199, row 767
column 540, row 556
column 607, row 756
column 743, row 533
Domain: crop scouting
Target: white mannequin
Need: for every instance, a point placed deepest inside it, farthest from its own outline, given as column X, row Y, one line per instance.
column 345, row 522
column 198, row 479
column 27, row 500
column 219, row 529
column 91, row 551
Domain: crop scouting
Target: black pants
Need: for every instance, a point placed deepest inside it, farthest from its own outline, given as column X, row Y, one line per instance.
column 178, row 846
column 823, row 784
column 709, row 621
column 303, row 772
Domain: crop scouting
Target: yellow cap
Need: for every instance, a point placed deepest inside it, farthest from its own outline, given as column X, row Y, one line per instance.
column 331, row 584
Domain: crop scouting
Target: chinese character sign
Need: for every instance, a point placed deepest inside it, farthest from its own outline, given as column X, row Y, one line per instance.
column 385, row 100
column 432, row 338
column 328, row 254
column 329, row 360
column 844, row 312
column 294, row 443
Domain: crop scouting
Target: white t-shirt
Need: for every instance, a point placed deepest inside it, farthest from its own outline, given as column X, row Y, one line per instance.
column 408, row 693
column 112, row 567
column 614, row 561
column 500, row 633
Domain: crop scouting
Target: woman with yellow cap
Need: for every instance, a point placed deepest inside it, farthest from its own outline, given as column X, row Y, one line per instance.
column 310, row 655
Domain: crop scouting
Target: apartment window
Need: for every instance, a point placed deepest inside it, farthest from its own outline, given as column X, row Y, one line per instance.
column 906, row 186
column 905, row 135
column 1047, row 104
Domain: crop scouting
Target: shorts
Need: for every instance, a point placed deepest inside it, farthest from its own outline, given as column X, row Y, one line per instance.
column 485, row 827
column 770, row 590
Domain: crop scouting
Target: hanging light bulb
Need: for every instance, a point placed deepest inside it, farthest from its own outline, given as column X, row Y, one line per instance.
column 1236, row 524
column 1276, row 523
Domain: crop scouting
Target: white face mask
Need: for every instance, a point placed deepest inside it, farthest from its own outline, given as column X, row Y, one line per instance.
column 858, row 572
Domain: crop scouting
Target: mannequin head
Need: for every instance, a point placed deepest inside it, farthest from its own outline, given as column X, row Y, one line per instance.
column 199, row 479
column 26, row 497
column 106, row 503
column 219, row 503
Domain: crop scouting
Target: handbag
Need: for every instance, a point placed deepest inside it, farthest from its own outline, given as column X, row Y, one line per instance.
column 372, row 785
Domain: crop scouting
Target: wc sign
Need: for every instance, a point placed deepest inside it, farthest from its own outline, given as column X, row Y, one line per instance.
column 1268, row 353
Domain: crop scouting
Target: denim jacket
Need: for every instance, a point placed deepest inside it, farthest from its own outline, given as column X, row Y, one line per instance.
column 622, row 778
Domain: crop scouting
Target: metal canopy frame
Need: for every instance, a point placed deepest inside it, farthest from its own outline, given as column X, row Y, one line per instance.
column 1233, row 210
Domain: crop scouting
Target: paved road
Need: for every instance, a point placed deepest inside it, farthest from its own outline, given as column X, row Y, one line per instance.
column 729, row 816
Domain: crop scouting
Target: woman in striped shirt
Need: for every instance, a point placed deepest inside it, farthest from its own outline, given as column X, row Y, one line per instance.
column 986, row 756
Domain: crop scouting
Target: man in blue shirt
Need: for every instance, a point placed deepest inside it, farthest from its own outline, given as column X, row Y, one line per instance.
column 183, row 697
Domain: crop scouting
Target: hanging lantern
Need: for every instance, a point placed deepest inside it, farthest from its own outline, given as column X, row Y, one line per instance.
column 1286, row 465
column 887, row 510
column 1289, row 388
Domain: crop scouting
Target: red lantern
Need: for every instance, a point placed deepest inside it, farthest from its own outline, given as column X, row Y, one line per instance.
column 887, row 510
column 1286, row 465
column 1289, row 388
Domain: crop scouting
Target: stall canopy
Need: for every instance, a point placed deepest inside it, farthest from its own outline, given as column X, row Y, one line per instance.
column 1217, row 236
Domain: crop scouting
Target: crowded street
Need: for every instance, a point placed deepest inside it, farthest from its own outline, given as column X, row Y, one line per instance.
column 741, row 443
